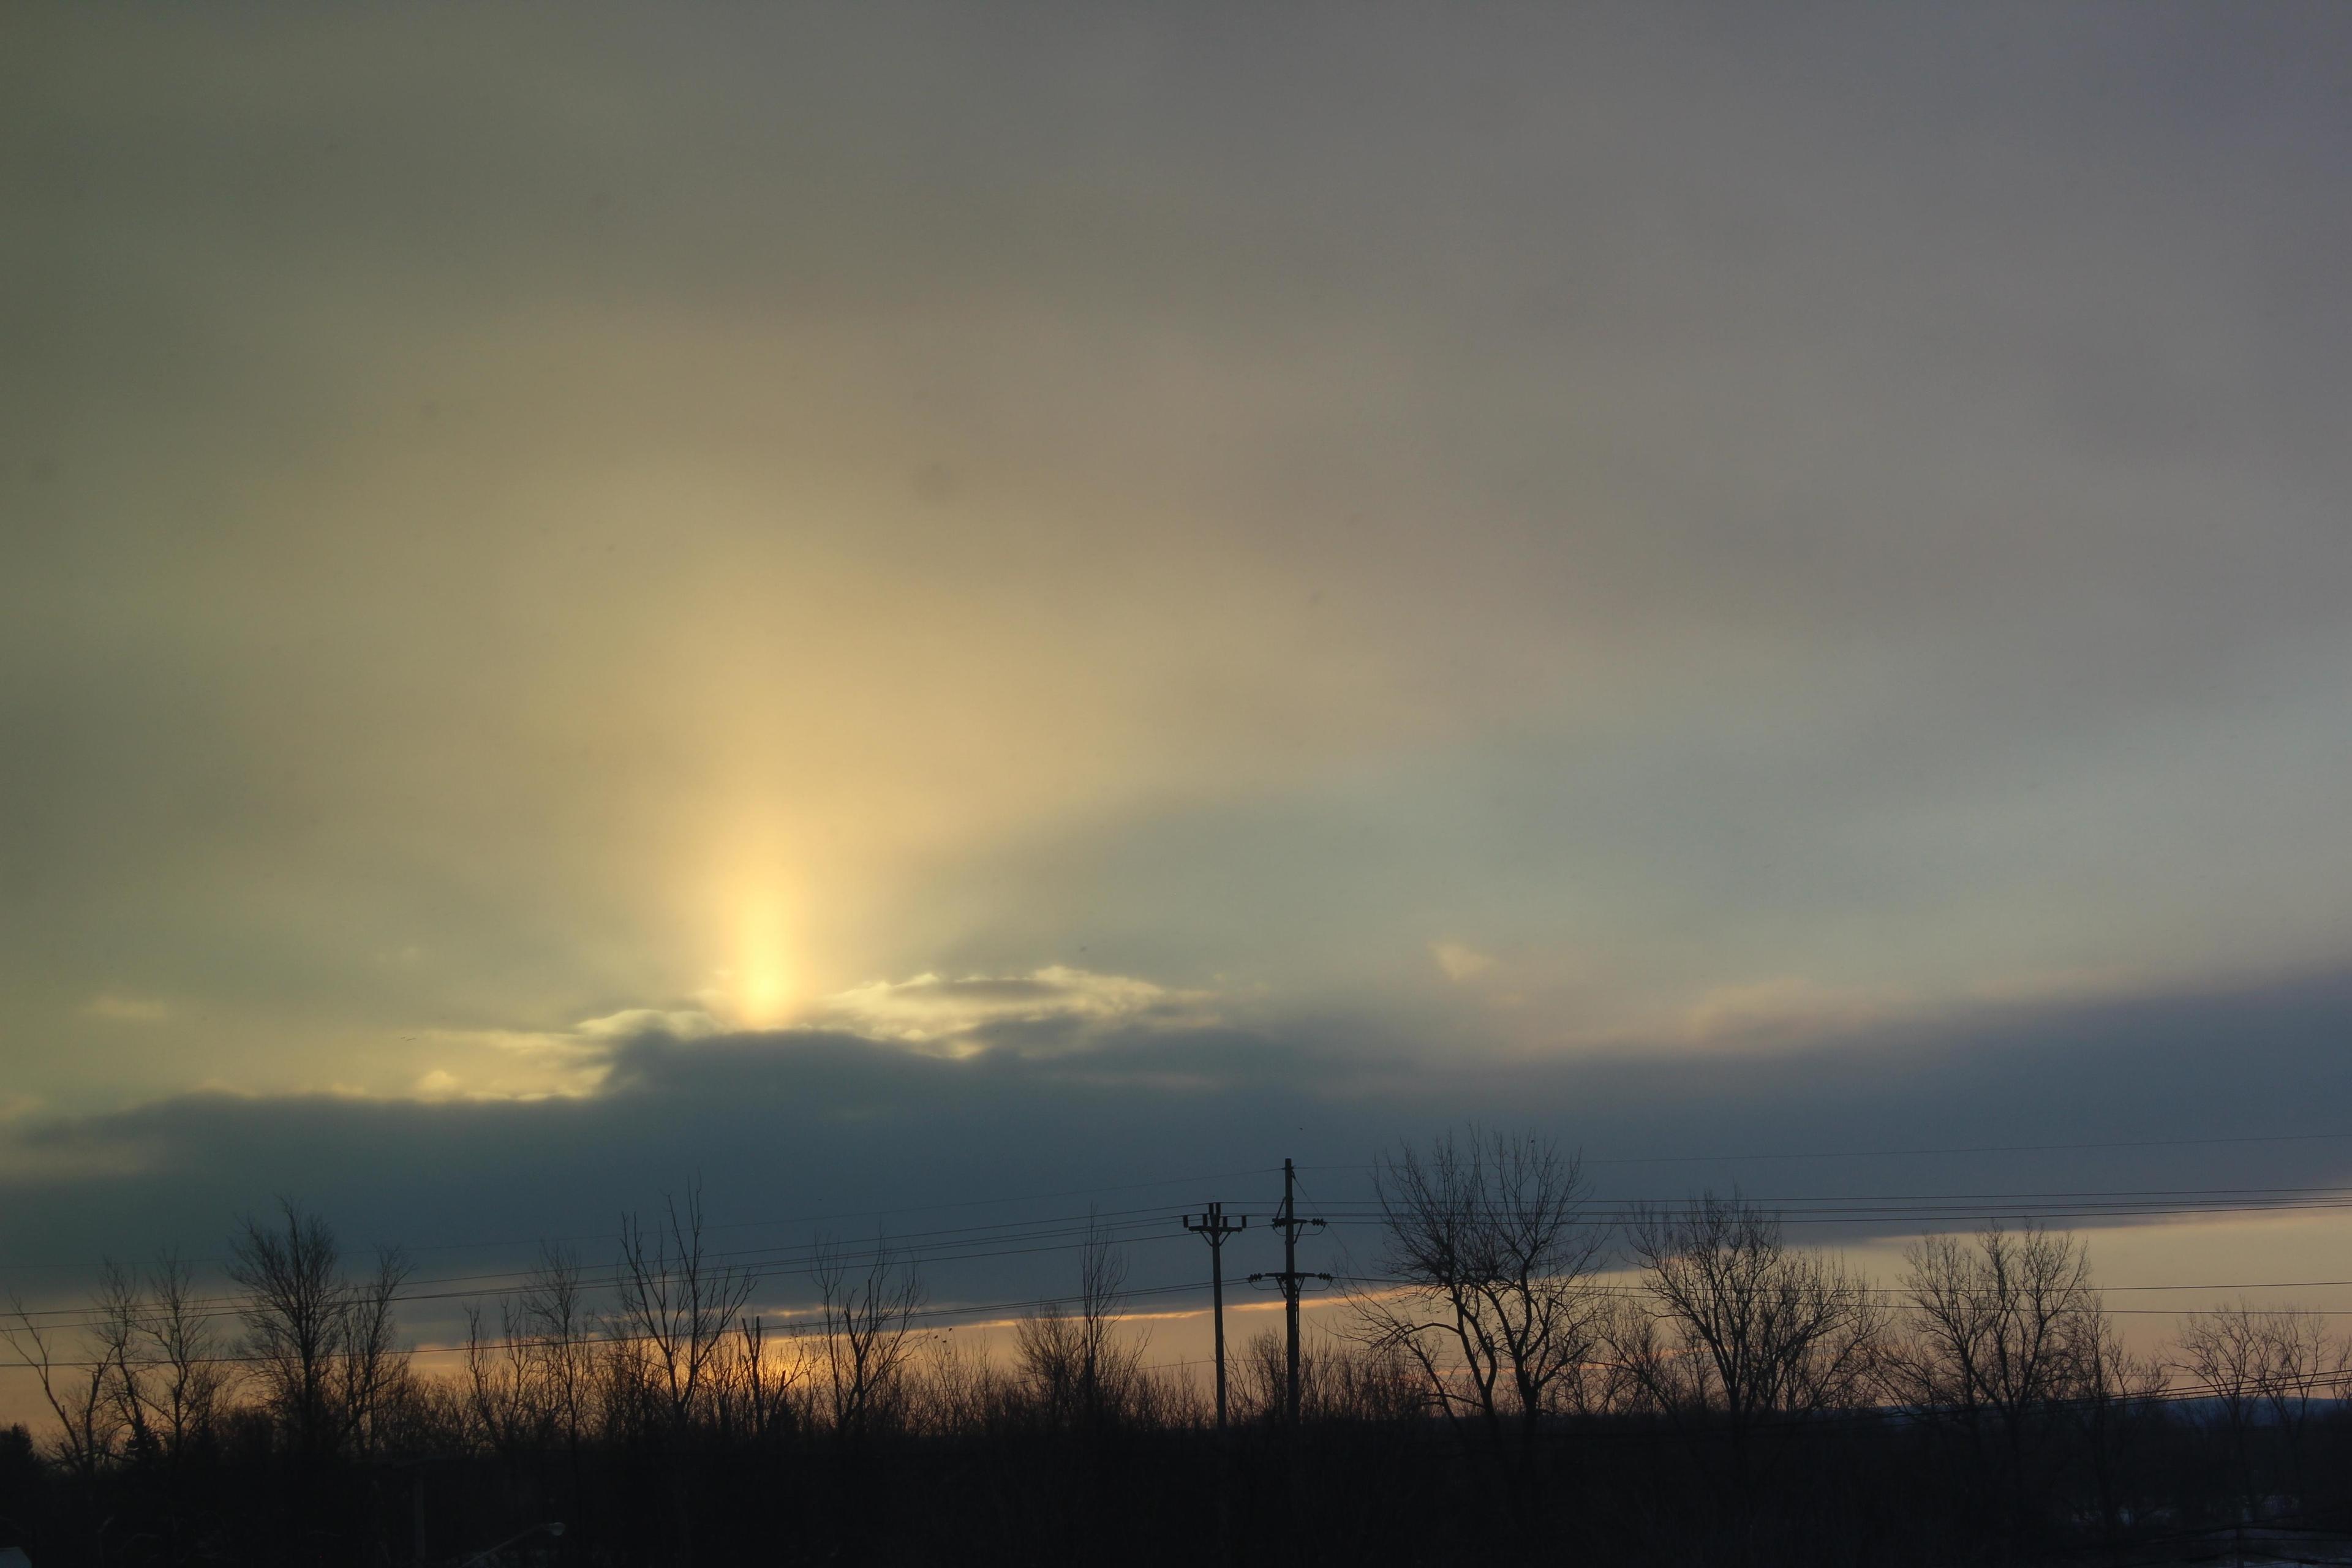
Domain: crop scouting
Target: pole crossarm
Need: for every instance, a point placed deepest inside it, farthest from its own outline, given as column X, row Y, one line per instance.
column 1217, row 1224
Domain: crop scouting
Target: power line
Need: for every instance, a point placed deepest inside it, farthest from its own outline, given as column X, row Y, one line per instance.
column 1923, row 1154
column 1008, row 1200
column 1043, row 1235
column 883, row 1213
column 1896, row 1297
column 794, row 1259
column 789, row 1331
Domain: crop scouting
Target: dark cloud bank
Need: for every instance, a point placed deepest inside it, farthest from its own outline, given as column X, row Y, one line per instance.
column 787, row 1127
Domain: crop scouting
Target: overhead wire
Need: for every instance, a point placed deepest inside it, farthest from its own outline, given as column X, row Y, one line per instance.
column 1016, row 1238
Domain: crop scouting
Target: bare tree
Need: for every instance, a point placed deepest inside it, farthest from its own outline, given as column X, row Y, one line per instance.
column 1488, row 1263
column 1740, row 1326
column 2115, row 1391
column 79, row 1394
column 1107, row 1366
column 119, row 1312
column 2262, row 1370
column 559, row 1333
column 1338, row 1380
column 293, row 1320
column 324, row 1347
column 2005, row 1327
column 504, row 1392
column 2304, row 1369
column 962, row 1389
column 1078, row 1369
column 373, row 1368
column 678, row 1304
column 867, row 1318
column 2223, row 1350
column 168, row 1378
column 148, row 1390
column 679, row 1307
column 187, row 1378
column 759, row 1379
column 2002, row 1323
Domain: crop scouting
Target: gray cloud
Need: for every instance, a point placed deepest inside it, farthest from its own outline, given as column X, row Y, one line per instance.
column 788, row 1129
column 1771, row 528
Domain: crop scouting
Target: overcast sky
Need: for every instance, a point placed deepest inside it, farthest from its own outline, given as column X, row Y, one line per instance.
column 890, row 602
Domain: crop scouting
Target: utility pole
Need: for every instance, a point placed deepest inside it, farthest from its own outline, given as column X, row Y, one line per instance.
column 1212, row 1228
column 1290, row 1280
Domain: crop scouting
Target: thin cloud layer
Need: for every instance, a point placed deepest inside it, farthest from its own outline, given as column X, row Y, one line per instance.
column 1285, row 568
column 786, row 1128
column 1056, row 1008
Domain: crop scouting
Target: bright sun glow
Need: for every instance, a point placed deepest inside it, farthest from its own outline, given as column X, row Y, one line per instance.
column 762, row 978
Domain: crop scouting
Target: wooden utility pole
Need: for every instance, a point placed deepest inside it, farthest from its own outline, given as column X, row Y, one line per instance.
column 1291, row 1280
column 1212, row 1228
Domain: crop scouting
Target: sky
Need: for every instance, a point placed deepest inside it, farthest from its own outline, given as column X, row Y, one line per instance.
column 883, row 606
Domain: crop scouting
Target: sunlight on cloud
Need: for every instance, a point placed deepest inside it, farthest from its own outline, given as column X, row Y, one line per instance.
column 1787, row 1007
column 523, row 1064
column 1461, row 963
column 679, row 1024
column 531, row 1064
column 1051, row 1011
column 955, row 1017
column 439, row 1084
column 127, row 1009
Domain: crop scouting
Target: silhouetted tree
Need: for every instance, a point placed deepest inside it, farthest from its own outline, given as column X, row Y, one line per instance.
column 1080, row 1370
column 2003, row 1326
column 964, row 1391
column 559, row 1330
column 373, row 1369
column 678, row 1305
column 503, row 1392
column 323, row 1347
column 1486, row 1288
column 1340, row 1379
column 753, row 1385
column 79, row 1394
column 679, row 1309
column 1740, row 1326
column 2117, row 1391
column 2263, row 1372
column 1730, row 1351
column 184, row 1377
column 867, row 1318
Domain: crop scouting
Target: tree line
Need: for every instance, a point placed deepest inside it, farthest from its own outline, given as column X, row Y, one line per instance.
column 1511, row 1374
